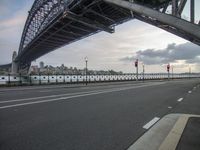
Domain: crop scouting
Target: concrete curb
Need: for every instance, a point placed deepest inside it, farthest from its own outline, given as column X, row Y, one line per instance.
column 165, row 134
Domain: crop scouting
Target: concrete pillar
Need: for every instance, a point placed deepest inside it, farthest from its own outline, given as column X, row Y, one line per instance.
column 14, row 68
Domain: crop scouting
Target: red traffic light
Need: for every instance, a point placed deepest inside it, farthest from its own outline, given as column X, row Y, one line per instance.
column 168, row 67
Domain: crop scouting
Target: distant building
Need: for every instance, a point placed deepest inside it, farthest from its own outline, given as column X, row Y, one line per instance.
column 34, row 69
column 41, row 65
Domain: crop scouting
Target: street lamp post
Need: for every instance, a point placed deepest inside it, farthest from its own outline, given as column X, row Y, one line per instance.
column 143, row 72
column 136, row 65
column 86, row 63
column 189, row 72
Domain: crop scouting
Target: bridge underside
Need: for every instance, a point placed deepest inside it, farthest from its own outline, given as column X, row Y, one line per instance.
column 75, row 24
column 79, row 21
column 82, row 18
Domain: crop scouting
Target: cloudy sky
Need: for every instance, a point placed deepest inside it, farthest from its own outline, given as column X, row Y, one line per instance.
column 134, row 39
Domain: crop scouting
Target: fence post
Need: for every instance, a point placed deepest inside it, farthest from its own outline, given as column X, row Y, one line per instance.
column 30, row 79
column 9, row 79
column 20, row 79
column 56, row 79
column 48, row 78
column 39, row 79
column 64, row 78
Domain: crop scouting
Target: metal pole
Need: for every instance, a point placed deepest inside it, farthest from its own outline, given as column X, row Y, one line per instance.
column 86, row 65
column 39, row 79
column 143, row 72
column 172, row 72
column 189, row 72
column 30, row 81
column 64, row 78
column 20, row 79
column 168, row 74
column 48, row 78
column 9, row 78
column 137, row 72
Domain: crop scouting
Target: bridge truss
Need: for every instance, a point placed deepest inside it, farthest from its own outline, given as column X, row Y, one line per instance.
column 52, row 24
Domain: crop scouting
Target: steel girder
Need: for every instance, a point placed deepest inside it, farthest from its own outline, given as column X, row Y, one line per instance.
column 170, row 22
column 52, row 24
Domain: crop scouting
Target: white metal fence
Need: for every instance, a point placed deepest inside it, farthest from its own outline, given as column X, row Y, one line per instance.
column 49, row 79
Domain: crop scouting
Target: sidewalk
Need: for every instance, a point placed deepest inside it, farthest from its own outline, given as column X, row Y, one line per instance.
column 172, row 132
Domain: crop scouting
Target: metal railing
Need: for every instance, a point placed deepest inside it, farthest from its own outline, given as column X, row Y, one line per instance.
column 72, row 79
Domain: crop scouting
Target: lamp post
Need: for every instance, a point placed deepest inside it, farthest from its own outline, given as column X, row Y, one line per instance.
column 189, row 72
column 136, row 66
column 143, row 71
column 86, row 63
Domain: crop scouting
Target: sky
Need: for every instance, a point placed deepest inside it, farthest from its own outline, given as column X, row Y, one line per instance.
column 132, row 40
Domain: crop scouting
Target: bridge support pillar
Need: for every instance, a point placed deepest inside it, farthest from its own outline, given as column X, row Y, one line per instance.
column 15, row 65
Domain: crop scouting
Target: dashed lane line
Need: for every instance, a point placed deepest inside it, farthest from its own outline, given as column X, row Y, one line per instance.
column 151, row 123
column 180, row 99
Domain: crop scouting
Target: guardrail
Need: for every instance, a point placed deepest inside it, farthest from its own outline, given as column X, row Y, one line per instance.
column 56, row 79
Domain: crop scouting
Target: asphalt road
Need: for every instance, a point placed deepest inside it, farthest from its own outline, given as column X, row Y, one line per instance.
column 96, row 117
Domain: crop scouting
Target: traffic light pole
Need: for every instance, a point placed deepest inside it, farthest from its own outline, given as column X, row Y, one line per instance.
column 86, row 64
column 143, row 72
column 137, row 73
column 168, row 74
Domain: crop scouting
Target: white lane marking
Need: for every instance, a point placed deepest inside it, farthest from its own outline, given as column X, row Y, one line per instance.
column 169, row 107
column 58, row 95
column 151, row 123
column 189, row 92
column 44, row 91
column 67, row 86
column 65, row 98
column 44, row 97
column 180, row 99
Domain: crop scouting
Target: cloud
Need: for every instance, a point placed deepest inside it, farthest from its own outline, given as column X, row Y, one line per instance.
column 187, row 52
column 103, row 50
column 11, row 26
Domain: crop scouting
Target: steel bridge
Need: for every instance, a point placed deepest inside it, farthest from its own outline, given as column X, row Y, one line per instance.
column 52, row 24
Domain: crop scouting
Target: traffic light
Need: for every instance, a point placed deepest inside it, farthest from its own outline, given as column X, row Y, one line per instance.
column 168, row 67
column 136, row 63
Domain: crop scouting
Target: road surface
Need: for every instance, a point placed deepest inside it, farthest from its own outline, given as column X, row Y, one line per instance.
column 110, row 116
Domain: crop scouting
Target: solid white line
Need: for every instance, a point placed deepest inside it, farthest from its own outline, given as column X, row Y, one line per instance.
column 44, row 91
column 180, row 99
column 58, row 95
column 41, row 97
column 151, row 123
column 65, row 98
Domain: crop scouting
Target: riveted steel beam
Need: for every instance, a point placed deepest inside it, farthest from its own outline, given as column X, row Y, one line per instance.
column 88, row 22
column 189, row 28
